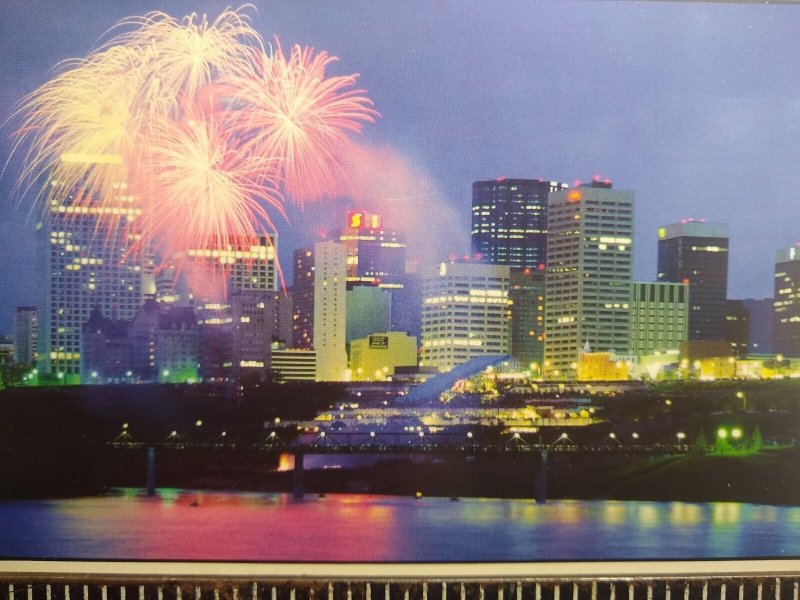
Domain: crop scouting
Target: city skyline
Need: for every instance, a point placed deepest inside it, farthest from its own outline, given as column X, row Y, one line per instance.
column 710, row 133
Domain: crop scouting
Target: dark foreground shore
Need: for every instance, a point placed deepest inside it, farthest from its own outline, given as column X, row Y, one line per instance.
column 767, row 477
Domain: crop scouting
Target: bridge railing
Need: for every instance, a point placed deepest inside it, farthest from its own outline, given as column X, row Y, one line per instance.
column 780, row 580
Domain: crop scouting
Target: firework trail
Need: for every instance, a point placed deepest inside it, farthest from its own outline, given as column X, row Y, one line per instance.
column 193, row 122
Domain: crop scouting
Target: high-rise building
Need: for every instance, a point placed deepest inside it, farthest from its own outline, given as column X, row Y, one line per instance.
column 509, row 221
column 303, row 299
column 376, row 255
column 526, row 293
column 330, row 288
column 248, row 265
column 786, row 327
column 26, row 335
column 696, row 252
column 589, row 274
column 89, row 258
column 466, row 312
column 659, row 317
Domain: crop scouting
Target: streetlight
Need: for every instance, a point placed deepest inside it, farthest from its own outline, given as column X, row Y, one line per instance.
column 740, row 394
column 681, row 436
column 198, row 423
column 469, row 434
column 722, row 433
column 736, row 433
column 635, row 435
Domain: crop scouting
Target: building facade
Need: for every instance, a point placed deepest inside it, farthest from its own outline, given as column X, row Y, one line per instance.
column 26, row 335
column 330, row 317
column 737, row 327
column 89, row 258
column 375, row 357
column 466, row 312
column 509, row 221
column 526, row 292
column 659, row 317
column 589, row 275
column 376, row 256
column 786, row 324
column 303, row 299
column 369, row 310
column 293, row 364
column 696, row 253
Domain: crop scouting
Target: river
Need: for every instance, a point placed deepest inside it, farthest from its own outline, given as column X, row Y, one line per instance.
column 191, row 525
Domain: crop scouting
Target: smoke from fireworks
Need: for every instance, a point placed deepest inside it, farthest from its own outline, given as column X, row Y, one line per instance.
column 196, row 122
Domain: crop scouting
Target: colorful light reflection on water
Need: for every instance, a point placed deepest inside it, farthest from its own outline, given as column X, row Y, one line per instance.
column 222, row 526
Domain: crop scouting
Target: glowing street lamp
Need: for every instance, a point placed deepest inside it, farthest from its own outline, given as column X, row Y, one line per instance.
column 736, row 433
column 741, row 395
column 635, row 435
column 681, row 436
column 722, row 433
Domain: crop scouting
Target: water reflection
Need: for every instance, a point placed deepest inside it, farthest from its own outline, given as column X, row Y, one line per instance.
column 228, row 526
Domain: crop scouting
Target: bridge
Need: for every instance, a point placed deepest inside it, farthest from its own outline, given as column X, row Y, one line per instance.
column 397, row 443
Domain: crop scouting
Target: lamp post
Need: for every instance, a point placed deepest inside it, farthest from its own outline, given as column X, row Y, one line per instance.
column 741, row 396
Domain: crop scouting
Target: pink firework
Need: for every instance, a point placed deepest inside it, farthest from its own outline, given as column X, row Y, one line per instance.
column 289, row 110
column 200, row 188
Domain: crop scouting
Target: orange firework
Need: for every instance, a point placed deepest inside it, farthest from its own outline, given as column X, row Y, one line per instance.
column 288, row 109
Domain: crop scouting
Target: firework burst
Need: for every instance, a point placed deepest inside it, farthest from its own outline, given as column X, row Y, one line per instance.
column 193, row 123
column 195, row 173
column 287, row 108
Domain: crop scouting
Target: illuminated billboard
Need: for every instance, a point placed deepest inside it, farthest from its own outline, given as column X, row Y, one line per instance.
column 363, row 220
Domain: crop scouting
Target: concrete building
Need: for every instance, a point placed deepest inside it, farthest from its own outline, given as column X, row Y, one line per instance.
column 466, row 312
column 509, row 221
column 589, row 275
column 659, row 317
column 696, row 253
column 26, row 335
column 786, row 324
column 330, row 317
column 375, row 357
column 369, row 310
column 88, row 258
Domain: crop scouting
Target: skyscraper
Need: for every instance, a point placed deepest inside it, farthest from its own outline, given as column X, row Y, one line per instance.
column 696, row 253
column 26, row 335
column 509, row 221
column 303, row 299
column 330, row 287
column 526, row 292
column 88, row 259
column 786, row 326
column 589, row 274
column 376, row 255
column 465, row 313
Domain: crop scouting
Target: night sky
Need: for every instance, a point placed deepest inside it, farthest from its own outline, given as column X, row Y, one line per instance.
column 695, row 107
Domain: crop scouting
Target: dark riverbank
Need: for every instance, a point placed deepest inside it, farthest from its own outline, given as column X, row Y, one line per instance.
column 767, row 477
